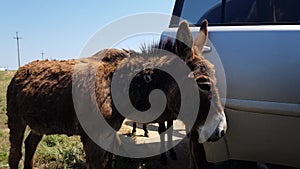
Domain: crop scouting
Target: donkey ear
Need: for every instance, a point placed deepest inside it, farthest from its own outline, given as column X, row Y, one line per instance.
column 184, row 41
column 201, row 38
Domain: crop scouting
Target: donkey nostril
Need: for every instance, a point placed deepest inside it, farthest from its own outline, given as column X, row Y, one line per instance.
column 222, row 133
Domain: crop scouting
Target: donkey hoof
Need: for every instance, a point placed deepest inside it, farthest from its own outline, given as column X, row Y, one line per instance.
column 163, row 160
column 173, row 155
column 133, row 133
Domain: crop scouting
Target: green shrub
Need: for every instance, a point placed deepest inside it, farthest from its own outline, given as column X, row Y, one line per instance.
column 60, row 151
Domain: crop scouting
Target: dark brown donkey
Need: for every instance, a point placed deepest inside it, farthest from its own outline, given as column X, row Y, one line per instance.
column 190, row 51
column 40, row 96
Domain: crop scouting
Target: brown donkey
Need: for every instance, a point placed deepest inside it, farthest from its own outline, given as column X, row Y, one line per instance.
column 40, row 96
column 190, row 51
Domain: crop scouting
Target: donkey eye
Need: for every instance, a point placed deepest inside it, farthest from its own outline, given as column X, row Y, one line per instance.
column 203, row 69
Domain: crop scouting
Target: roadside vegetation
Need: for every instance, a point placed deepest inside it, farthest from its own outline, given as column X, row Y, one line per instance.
column 5, row 77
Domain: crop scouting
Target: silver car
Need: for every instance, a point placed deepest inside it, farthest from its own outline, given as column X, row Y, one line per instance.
column 258, row 43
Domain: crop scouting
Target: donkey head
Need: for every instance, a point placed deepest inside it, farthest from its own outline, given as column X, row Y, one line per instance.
column 190, row 51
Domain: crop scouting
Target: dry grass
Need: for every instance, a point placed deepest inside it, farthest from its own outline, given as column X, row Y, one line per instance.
column 5, row 77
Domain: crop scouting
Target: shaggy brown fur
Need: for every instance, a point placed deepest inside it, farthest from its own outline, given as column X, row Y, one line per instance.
column 40, row 96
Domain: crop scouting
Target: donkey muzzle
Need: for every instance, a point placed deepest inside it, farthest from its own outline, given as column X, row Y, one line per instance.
column 220, row 130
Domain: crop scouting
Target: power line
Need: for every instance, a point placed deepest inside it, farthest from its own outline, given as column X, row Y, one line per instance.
column 18, row 47
column 42, row 55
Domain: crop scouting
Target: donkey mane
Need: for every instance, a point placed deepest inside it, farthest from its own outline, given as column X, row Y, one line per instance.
column 199, row 64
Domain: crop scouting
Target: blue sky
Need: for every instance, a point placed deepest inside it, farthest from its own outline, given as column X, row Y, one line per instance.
column 61, row 28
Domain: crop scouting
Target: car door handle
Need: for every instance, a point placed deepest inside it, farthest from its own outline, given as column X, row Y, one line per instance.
column 206, row 49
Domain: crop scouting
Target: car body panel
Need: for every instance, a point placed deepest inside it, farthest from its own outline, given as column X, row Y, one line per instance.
column 261, row 64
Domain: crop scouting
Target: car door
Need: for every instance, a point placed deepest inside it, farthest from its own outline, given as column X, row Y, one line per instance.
column 257, row 42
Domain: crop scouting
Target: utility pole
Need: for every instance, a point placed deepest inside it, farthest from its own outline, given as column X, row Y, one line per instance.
column 18, row 47
column 42, row 55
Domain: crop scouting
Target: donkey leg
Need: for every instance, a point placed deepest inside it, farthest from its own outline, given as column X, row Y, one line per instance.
column 192, row 164
column 145, row 130
column 163, row 156
column 170, row 143
column 17, row 128
column 197, row 151
column 173, row 154
column 133, row 128
column 96, row 157
column 31, row 144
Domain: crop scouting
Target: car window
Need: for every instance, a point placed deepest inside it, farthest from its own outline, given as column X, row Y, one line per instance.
column 192, row 9
column 240, row 12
